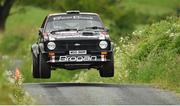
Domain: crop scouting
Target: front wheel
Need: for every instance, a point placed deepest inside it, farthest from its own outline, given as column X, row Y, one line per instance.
column 107, row 70
column 44, row 68
column 35, row 70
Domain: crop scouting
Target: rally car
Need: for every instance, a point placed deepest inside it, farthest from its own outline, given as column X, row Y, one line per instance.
column 72, row 40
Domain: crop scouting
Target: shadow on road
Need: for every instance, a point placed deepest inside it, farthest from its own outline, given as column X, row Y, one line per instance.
column 90, row 85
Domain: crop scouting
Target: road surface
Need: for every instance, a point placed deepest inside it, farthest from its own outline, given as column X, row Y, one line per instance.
column 98, row 94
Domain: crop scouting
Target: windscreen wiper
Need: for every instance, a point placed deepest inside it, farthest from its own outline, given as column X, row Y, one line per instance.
column 60, row 30
column 93, row 27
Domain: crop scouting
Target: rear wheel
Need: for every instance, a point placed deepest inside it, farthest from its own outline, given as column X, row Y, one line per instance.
column 107, row 70
column 44, row 68
column 35, row 71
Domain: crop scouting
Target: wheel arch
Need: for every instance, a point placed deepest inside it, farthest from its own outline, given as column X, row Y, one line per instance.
column 35, row 49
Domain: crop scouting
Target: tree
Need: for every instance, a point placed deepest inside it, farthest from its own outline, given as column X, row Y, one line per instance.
column 5, row 7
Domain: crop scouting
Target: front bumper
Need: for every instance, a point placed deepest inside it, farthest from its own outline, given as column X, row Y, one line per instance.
column 90, row 58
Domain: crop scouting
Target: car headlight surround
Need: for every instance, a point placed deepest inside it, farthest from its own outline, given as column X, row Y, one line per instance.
column 103, row 44
column 51, row 45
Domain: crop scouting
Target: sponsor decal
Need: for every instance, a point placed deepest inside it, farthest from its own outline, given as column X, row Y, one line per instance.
column 72, row 17
column 77, row 58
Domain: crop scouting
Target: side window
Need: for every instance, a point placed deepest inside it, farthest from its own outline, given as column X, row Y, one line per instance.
column 42, row 26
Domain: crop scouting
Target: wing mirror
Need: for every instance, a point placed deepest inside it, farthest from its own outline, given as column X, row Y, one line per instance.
column 40, row 31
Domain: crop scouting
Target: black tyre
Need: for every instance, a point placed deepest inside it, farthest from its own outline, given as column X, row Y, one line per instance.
column 44, row 68
column 35, row 71
column 107, row 70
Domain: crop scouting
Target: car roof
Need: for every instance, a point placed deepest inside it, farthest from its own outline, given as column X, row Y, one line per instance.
column 81, row 13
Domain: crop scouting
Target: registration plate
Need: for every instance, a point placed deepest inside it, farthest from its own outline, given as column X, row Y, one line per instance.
column 77, row 52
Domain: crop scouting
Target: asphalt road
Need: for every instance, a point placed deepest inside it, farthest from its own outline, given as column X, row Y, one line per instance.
column 98, row 94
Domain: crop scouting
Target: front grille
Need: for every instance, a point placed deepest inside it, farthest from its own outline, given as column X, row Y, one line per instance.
column 77, row 45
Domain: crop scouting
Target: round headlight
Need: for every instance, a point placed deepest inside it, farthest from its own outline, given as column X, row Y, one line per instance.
column 103, row 44
column 51, row 45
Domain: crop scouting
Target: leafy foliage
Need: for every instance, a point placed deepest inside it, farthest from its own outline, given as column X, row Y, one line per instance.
column 156, row 57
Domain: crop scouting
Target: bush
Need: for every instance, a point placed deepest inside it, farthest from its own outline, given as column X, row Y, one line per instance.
column 156, row 57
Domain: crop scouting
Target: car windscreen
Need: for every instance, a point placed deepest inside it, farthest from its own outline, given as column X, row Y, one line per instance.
column 70, row 21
